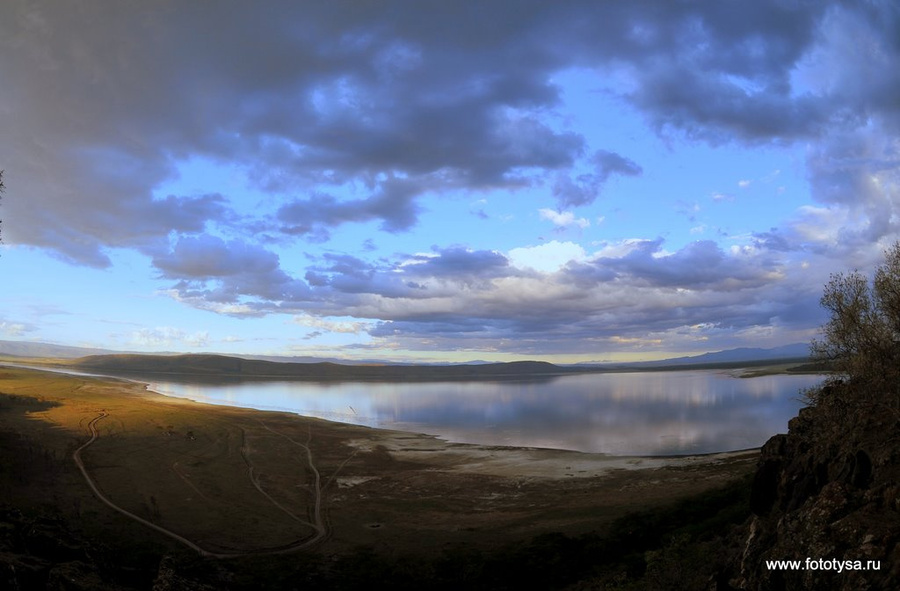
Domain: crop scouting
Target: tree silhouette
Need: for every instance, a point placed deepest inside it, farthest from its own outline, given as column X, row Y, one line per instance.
column 861, row 343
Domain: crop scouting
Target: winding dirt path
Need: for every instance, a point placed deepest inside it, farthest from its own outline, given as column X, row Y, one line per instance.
column 76, row 455
column 184, row 478
column 254, row 479
column 319, row 525
column 318, row 521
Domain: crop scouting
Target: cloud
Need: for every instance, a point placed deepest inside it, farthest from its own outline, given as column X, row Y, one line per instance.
column 14, row 329
column 440, row 274
column 721, row 76
column 338, row 274
column 610, row 163
column 393, row 204
column 206, row 257
column 348, row 96
column 585, row 188
column 323, row 325
column 699, row 265
column 554, row 297
column 859, row 171
column 547, row 258
column 167, row 336
column 209, row 269
column 354, row 113
column 427, row 97
column 563, row 219
column 459, row 262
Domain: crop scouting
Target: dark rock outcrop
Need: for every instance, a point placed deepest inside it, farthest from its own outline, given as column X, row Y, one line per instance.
column 831, row 502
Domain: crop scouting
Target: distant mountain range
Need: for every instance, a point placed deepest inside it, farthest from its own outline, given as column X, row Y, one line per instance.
column 311, row 368
column 29, row 349
column 46, row 350
column 793, row 352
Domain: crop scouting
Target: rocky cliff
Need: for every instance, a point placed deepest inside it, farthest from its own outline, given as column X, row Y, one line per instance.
column 826, row 495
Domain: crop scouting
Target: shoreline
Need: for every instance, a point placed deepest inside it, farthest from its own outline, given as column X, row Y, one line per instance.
column 631, row 459
column 232, row 480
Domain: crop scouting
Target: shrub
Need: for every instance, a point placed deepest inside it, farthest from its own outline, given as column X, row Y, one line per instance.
column 861, row 344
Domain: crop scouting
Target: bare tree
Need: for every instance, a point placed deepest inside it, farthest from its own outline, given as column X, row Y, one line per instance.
column 861, row 342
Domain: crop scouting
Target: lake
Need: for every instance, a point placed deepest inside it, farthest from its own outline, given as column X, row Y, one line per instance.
column 641, row 413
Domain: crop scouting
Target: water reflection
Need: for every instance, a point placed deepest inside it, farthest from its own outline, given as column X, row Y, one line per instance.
column 658, row 413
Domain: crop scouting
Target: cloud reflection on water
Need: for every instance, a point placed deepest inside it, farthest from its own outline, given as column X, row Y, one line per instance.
column 647, row 413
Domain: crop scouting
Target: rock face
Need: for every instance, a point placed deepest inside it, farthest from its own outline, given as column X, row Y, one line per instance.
column 829, row 500
column 41, row 553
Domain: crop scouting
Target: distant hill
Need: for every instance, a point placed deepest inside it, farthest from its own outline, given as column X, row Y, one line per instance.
column 795, row 352
column 220, row 366
column 29, row 349
column 318, row 368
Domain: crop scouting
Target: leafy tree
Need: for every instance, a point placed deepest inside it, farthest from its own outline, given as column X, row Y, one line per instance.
column 861, row 343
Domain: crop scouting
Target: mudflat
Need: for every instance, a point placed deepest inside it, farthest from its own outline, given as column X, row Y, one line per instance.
column 228, row 482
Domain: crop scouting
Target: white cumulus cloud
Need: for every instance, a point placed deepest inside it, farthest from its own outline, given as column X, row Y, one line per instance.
column 563, row 219
column 547, row 258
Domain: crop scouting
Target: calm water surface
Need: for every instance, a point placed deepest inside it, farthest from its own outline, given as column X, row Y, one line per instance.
column 647, row 413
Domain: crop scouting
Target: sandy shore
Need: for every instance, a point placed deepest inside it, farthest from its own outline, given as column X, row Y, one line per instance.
column 524, row 462
column 234, row 480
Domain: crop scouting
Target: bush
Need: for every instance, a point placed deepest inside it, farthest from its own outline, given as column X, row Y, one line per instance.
column 861, row 344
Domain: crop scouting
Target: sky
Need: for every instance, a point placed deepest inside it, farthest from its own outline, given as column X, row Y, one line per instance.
column 442, row 181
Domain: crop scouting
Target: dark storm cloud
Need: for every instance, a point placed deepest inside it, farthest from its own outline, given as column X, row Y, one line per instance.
column 719, row 110
column 108, row 98
column 339, row 276
column 209, row 269
column 387, row 102
column 773, row 240
column 699, row 265
column 438, row 325
column 393, row 204
column 208, row 256
column 458, row 262
column 417, row 277
column 585, row 188
column 722, row 71
column 609, row 163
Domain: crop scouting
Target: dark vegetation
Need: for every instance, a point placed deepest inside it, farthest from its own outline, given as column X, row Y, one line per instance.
column 861, row 345
column 830, row 488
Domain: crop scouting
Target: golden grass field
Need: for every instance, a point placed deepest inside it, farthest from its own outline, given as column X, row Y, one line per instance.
column 229, row 482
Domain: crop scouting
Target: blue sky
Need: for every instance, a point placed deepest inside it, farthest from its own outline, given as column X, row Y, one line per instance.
column 569, row 181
